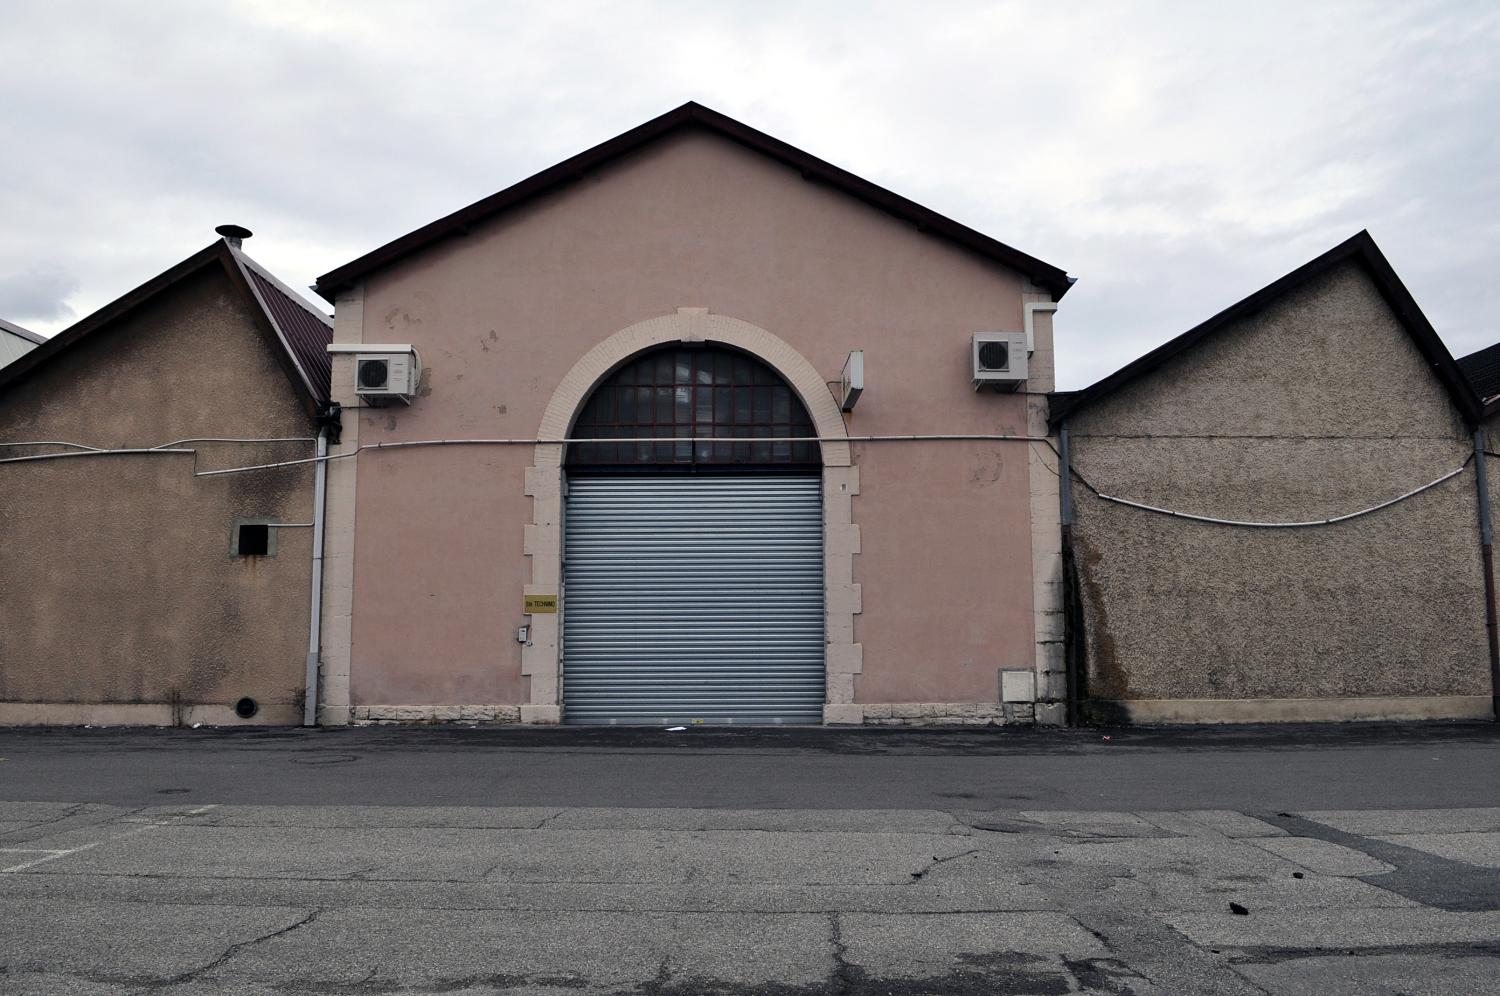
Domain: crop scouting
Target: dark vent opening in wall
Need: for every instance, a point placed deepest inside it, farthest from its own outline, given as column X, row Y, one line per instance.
column 254, row 540
column 246, row 707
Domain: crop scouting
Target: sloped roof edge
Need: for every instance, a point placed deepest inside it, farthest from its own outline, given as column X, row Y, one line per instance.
column 218, row 252
column 21, row 333
column 1360, row 249
column 694, row 115
column 304, row 333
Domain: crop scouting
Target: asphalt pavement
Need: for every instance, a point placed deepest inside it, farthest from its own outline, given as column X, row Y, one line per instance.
column 1260, row 768
column 1358, row 860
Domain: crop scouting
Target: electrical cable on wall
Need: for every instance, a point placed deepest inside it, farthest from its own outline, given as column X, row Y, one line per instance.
column 1271, row 525
column 80, row 450
column 174, row 447
column 167, row 447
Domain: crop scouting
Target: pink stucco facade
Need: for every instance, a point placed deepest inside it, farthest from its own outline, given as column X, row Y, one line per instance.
column 500, row 316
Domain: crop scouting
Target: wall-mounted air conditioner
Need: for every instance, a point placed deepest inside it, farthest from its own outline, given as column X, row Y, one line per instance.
column 381, row 378
column 999, row 360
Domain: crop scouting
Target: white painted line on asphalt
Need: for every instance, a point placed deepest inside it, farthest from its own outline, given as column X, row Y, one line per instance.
column 46, row 855
column 52, row 854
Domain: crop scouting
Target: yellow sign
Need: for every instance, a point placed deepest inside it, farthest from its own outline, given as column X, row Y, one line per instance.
column 541, row 603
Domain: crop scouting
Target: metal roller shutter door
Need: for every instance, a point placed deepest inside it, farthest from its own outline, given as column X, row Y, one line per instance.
column 693, row 599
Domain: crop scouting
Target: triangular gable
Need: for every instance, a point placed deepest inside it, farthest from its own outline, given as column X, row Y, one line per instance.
column 696, row 116
column 291, row 327
column 1361, row 250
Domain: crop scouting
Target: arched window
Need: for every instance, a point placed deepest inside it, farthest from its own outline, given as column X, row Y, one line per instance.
column 694, row 393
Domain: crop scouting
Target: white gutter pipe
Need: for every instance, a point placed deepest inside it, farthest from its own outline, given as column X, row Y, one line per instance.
column 315, row 613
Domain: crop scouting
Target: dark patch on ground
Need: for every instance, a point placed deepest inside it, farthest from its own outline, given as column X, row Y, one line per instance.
column 373, row 986
column 973, row 975
column 1426, row 878
column 1275, row 955
column 999, row 741
column 325, row 759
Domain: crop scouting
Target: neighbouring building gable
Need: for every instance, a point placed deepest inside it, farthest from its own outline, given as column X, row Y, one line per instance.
column 191, row 361
column 1323, row 396
column 1327, row 358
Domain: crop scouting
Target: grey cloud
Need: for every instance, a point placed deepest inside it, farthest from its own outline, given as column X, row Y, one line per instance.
column 1175, row 159
column 38, row 293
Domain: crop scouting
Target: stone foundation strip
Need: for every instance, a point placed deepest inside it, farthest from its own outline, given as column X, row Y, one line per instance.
column 872, row 714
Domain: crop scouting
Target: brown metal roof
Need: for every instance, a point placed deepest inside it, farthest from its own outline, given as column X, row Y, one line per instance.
column 693, row 115
column 292, row 327
column 1359, row 249
column 304, row 333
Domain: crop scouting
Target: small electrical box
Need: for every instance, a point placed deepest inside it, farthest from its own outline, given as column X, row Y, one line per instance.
column 1017, row 686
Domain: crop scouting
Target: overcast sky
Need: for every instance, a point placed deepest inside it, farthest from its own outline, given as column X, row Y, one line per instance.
column 1171, row 156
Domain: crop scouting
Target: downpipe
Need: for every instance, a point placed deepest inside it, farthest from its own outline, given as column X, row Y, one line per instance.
column 315, row 613
column 1072, row 621
column 1487, row 550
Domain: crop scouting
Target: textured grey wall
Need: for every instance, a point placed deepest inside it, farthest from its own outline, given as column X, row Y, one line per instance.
column 116, row 583
column 1317, row 406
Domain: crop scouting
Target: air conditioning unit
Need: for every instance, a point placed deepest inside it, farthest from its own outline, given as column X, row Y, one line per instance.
column 999, row 360
column 381, row 378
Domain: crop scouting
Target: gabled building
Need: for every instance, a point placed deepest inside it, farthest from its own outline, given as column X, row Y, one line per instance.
column 137, row 587
column 1275, row 516
column 616, row 473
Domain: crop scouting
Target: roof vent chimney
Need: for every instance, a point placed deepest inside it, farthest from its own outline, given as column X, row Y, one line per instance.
column 234, row 234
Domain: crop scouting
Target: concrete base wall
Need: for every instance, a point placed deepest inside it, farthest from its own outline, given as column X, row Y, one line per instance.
column 1333, row 710
column 142, row 714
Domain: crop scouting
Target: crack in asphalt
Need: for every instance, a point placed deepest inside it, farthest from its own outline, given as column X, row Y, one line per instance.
column 71, row 812
column 239, row 946
column 917, row 876
column 842, row 977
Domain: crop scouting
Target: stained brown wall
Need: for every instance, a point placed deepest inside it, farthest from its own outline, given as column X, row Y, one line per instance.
column 1317, row 406
column 116, row 583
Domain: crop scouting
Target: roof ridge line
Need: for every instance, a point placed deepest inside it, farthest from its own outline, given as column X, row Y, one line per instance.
column 1051, row 278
